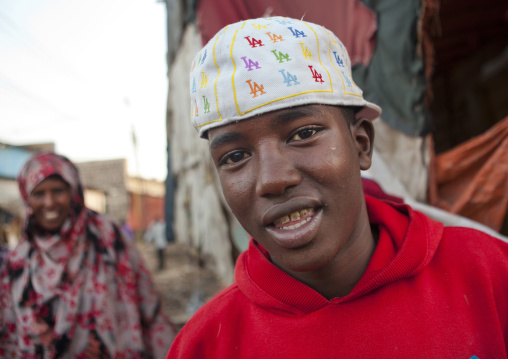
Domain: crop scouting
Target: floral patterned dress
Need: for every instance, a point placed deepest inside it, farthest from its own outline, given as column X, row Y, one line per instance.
column 83, row 292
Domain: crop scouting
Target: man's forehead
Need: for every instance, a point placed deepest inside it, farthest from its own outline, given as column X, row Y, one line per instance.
column 277, row 117
column 235, row 131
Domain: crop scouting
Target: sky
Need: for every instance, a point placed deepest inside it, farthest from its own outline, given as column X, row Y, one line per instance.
column 86, row 75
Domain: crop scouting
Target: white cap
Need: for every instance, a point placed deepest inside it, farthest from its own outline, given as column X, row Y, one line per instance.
column 267, row 64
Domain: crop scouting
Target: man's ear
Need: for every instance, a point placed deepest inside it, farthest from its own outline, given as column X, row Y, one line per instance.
column 363, row 135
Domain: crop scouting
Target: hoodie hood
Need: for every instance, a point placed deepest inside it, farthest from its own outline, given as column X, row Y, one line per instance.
column 407, row 242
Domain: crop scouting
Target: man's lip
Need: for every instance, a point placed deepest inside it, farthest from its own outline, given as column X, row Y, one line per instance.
column 298, row 237
column 294, row 204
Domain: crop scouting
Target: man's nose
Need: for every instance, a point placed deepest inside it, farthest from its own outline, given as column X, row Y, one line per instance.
column 276, row 170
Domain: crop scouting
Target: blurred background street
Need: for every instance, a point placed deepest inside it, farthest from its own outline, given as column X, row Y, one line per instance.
column 185, row 283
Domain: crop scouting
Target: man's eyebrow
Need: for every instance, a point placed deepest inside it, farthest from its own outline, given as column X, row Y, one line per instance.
column 293, row 114
column 282, row 118
column 225, row 138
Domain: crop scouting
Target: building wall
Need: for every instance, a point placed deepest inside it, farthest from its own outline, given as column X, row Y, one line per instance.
column 10, row 198
column 146, row 202
column 144, row 210
column 95, row 200
column 201, row 217
column 109, row 177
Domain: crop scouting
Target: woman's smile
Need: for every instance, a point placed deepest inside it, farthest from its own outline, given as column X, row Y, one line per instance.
column 50, row 202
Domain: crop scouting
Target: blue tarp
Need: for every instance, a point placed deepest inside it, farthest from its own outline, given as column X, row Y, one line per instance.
column 12, row 160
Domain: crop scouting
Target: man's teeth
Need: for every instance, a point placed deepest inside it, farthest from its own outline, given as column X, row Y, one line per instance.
column 299, row 224
column 295, row 216
column 51, row 215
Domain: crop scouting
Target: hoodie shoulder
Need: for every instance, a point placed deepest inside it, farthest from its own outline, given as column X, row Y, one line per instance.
column 216, row 307
column 474, row 249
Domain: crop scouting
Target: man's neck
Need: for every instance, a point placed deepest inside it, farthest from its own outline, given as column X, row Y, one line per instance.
column 341, row 275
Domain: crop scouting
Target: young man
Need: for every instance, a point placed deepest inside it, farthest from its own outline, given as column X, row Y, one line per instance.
column 329, row 272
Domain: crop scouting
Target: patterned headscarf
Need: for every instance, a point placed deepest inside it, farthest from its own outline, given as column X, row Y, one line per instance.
column 82, row 292
column 43, row 165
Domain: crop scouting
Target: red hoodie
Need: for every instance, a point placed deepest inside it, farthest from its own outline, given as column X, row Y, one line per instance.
column 428, row 292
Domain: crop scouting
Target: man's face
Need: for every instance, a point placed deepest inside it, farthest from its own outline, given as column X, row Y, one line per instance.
column 50, row 201
column 292, row 179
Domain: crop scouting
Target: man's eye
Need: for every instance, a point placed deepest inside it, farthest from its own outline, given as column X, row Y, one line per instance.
column 234, row 157
column 303, row 134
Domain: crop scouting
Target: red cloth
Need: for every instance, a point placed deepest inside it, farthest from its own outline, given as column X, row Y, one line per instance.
column 428, row 292
column 352, row 21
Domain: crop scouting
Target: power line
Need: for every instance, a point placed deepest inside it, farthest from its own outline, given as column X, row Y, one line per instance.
column 31, row 96
column 37, row 55
column 19, row 36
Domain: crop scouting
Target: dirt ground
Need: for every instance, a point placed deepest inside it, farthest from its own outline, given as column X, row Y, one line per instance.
column 186, row 282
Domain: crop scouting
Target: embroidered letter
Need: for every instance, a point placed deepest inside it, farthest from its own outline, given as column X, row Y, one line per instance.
column 193, row 64
column 204, row 57
column 207, row 104
column 348, row 81
column 316, row 75
column 288, row 78
column 274, row 37
column 297, row 33
column 283, row 22
column 250, row 63
column 281, row 57
column 306, row 52
column 337, row 43
column 253, row 42
column 255, row 88
column 259, row 27
column 204, row 80
column 338, row 59
column 193, row 84
column 196, row 111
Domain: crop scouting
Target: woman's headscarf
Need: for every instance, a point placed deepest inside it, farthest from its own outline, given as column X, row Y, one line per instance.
column 81, row 291
column 38, row 168
column 43, row 165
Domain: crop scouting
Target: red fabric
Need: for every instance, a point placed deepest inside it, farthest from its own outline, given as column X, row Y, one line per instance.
column 353, row 23
column 428, row 292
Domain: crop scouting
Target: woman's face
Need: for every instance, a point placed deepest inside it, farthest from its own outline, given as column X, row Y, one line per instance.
column 50, row 201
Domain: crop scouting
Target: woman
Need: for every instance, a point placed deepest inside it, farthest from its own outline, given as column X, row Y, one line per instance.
column 75, row 287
